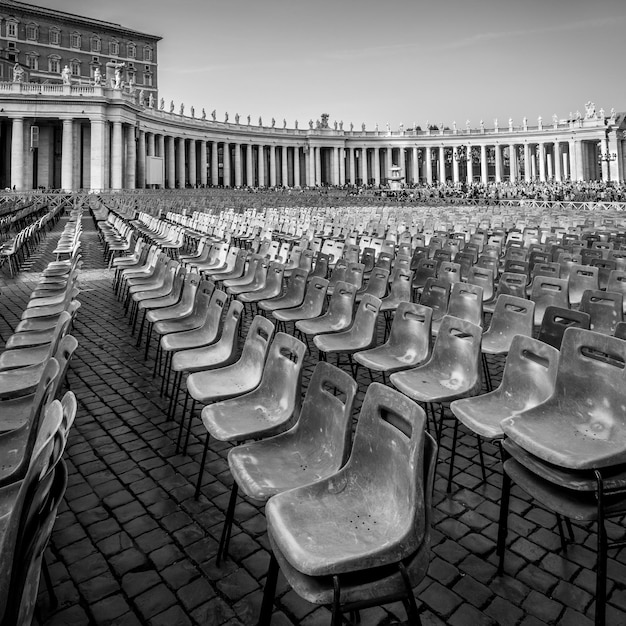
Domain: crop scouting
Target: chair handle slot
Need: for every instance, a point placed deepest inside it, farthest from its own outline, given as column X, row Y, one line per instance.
column 409, row 315
column 331, row 389
column 603, row 357
column 536, row 358
column 289, row 354
column 515, row 308
column 396, row 420
column 261, row 332
column 460, row 334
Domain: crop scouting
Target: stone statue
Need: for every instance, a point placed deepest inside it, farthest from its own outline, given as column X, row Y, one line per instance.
column 118, row 75
column 578, row 116
column 273, row 123
column 248, row 120
column 213, row 115
column 555, row 120
column 203, row 114
column 151, row 100
column 284, row 123
column 454, row 126
column 427, row 126
column 601, row 112
column 97, row 76
column 318, row 124
column 141, row 98
column 341, row 125
column 351, row 126
column 525, row 123
column 182, row 108
column 467, row 125
column 363, row 127
column 172, row 106
column 335, row 124
column 495, row 123
column 192, row 111
column 388, row 128
column 482, row 126
column 131, row 86
column 296, row 124
column 162, row 104
column 236, row 118
column 260, row 121
column 226, row 116
column 590, row 110
column 66, row 75
column 612, row 118
column 441, row 126
column 540, row 122
column 376, row 127
column 311, row 124
column 511, row 124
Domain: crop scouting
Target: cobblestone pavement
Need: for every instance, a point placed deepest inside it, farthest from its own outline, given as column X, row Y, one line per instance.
column 132, row 546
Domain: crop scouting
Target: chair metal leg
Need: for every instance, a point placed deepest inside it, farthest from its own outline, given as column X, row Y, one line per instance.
column 54, row 601
column 336, row 611
column 182, row 423
column 409, row 605
column 265, row 616
column 559, row 523
column 189, row 421
column 601, row 556
column 201, row 472
column 452, row 453
column 481, row 457
column 503, row 521
column 171, row 411
column 222, row 550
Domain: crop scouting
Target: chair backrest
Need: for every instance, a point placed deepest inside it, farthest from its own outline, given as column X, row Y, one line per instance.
column 364, row 325
column 426, row 268
column 605, row 309
column 449, row 271
column 547, row 291
column 466, row 302
column 617, row 282
column 342, row 301
column 436, row 295
column 400, row 287
column 354, row 274
column 512, row 316
column 256, row 345
column 581, row 278
column 557, row 320
column 620, row 330
column 411, row 331
column 484, row 278
column 377, row 284
column 513, row 284
column 320, row 270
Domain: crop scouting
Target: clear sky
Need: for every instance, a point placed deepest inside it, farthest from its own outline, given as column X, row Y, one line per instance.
column 379, row 61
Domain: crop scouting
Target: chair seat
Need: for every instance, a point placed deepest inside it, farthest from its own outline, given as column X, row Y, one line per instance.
column 390, row 359
column 30, row 339
column 321, row 325
column 11, row 359
column 426, row 384
column 14, row 413
column 347, row 342
column 218, row 354
column 21, row 381
column 187, row 340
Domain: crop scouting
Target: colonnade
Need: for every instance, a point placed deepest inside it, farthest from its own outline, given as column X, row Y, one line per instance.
column 113, row 145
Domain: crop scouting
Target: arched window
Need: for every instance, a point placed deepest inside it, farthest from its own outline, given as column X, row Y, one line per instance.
column 32, row 60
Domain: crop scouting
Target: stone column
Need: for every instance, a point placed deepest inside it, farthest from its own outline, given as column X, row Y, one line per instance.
column 181, row 175
column 558, row 175
column 429, row 165
column 17, row 153
column 364, row 174
column 171, row 162
column 415, row 165
column 498, row 154
column 97, row 155
column 261, row 164
column 402, row 163
column 527, row 163
column 388, row 162
column 215, row 167
column 272, row 166
column 342, row 166
column 226, row 164
column 203, row 163
column 470, row 166
column 131, row 158
column 284, row 161
column 484, row 172
column 238, row 172
column 192, row 163
column 308, row 179
column 67, row 154
column 296, row 166
column 141, row 159
column 376, row 166
column 513, row 162
column 542, row 162
column 455, row 167
column 117, row 161
column 336, row 167
column 161, row 153
column 351, row 166
column 318, row 166
column 151, row 144
column 249, row 166
column 442, row 165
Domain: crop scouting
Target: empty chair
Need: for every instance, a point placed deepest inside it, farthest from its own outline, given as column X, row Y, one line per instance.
column 484, row 278
column 311, row 307
column 272, row 287
column 617, row 284
column 320, row 269
column 604, row 309
column 605, row 267
column 256, row 283
column 360, row 336
column 293, row 295
column 233, row 268
column 547, row 291
column 376, row 285
column 465, row 302
column 426, row 268
column 408, row 345
column 269, row 409
column 528, row 379
column 436, row 295
column 451, row 372
column 568, row 452
column 510, row 283
column 449, row 271
column 581, row 278
column 315, row 448
column 557, row 320
column 383, row 506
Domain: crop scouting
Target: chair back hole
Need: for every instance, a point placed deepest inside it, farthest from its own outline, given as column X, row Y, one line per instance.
column 416, row 317
column 515, row 308
column 289, row 354
column 262, row 333
column 371, row 307
column 552, row 287
column 460, row 334
column 397, row 421
column 438, row 289
column 536, row 358
column 604, row 357
column 331, row 389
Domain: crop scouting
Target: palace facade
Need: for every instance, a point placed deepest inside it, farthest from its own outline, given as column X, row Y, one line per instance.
column 115, row 133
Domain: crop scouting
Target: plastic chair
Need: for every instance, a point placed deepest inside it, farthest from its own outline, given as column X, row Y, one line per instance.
column 235, row 270
column 338, row 316
column 293, row 295
column 581, row 278
column 528, row 379
column 453, row 370
column 604, row 309
column 399, row 291
column 465, row 302
column 315, row 448
column 268, row 409
column 450, row 272
column 426, row 268
column 376, row 285
column 436, row 295
column 547, row 291
column 484, row 278
column 216, row 354
column 247, row 277
column 557, row 320
column 217, row 381
column 360, row 336
column 408, row 345
column 383, row 505
column 311, row 307
column 320, row 269
column 620, row 330
column 617, row 284
column 512, row 316
column 271, row 288
column 261, row 267
column 569, row 451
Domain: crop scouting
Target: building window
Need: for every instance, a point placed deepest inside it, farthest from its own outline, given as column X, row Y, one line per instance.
column 11, row 45
column 132, row 50
column 96, row 44
column 54, row 37
column 75, row 67
column 32, row 32
column 75, row 40
column 12, row 29
column 147, row 53
column 114, row 48
column 32, row 60
column 54, row 64
column 147, row 80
